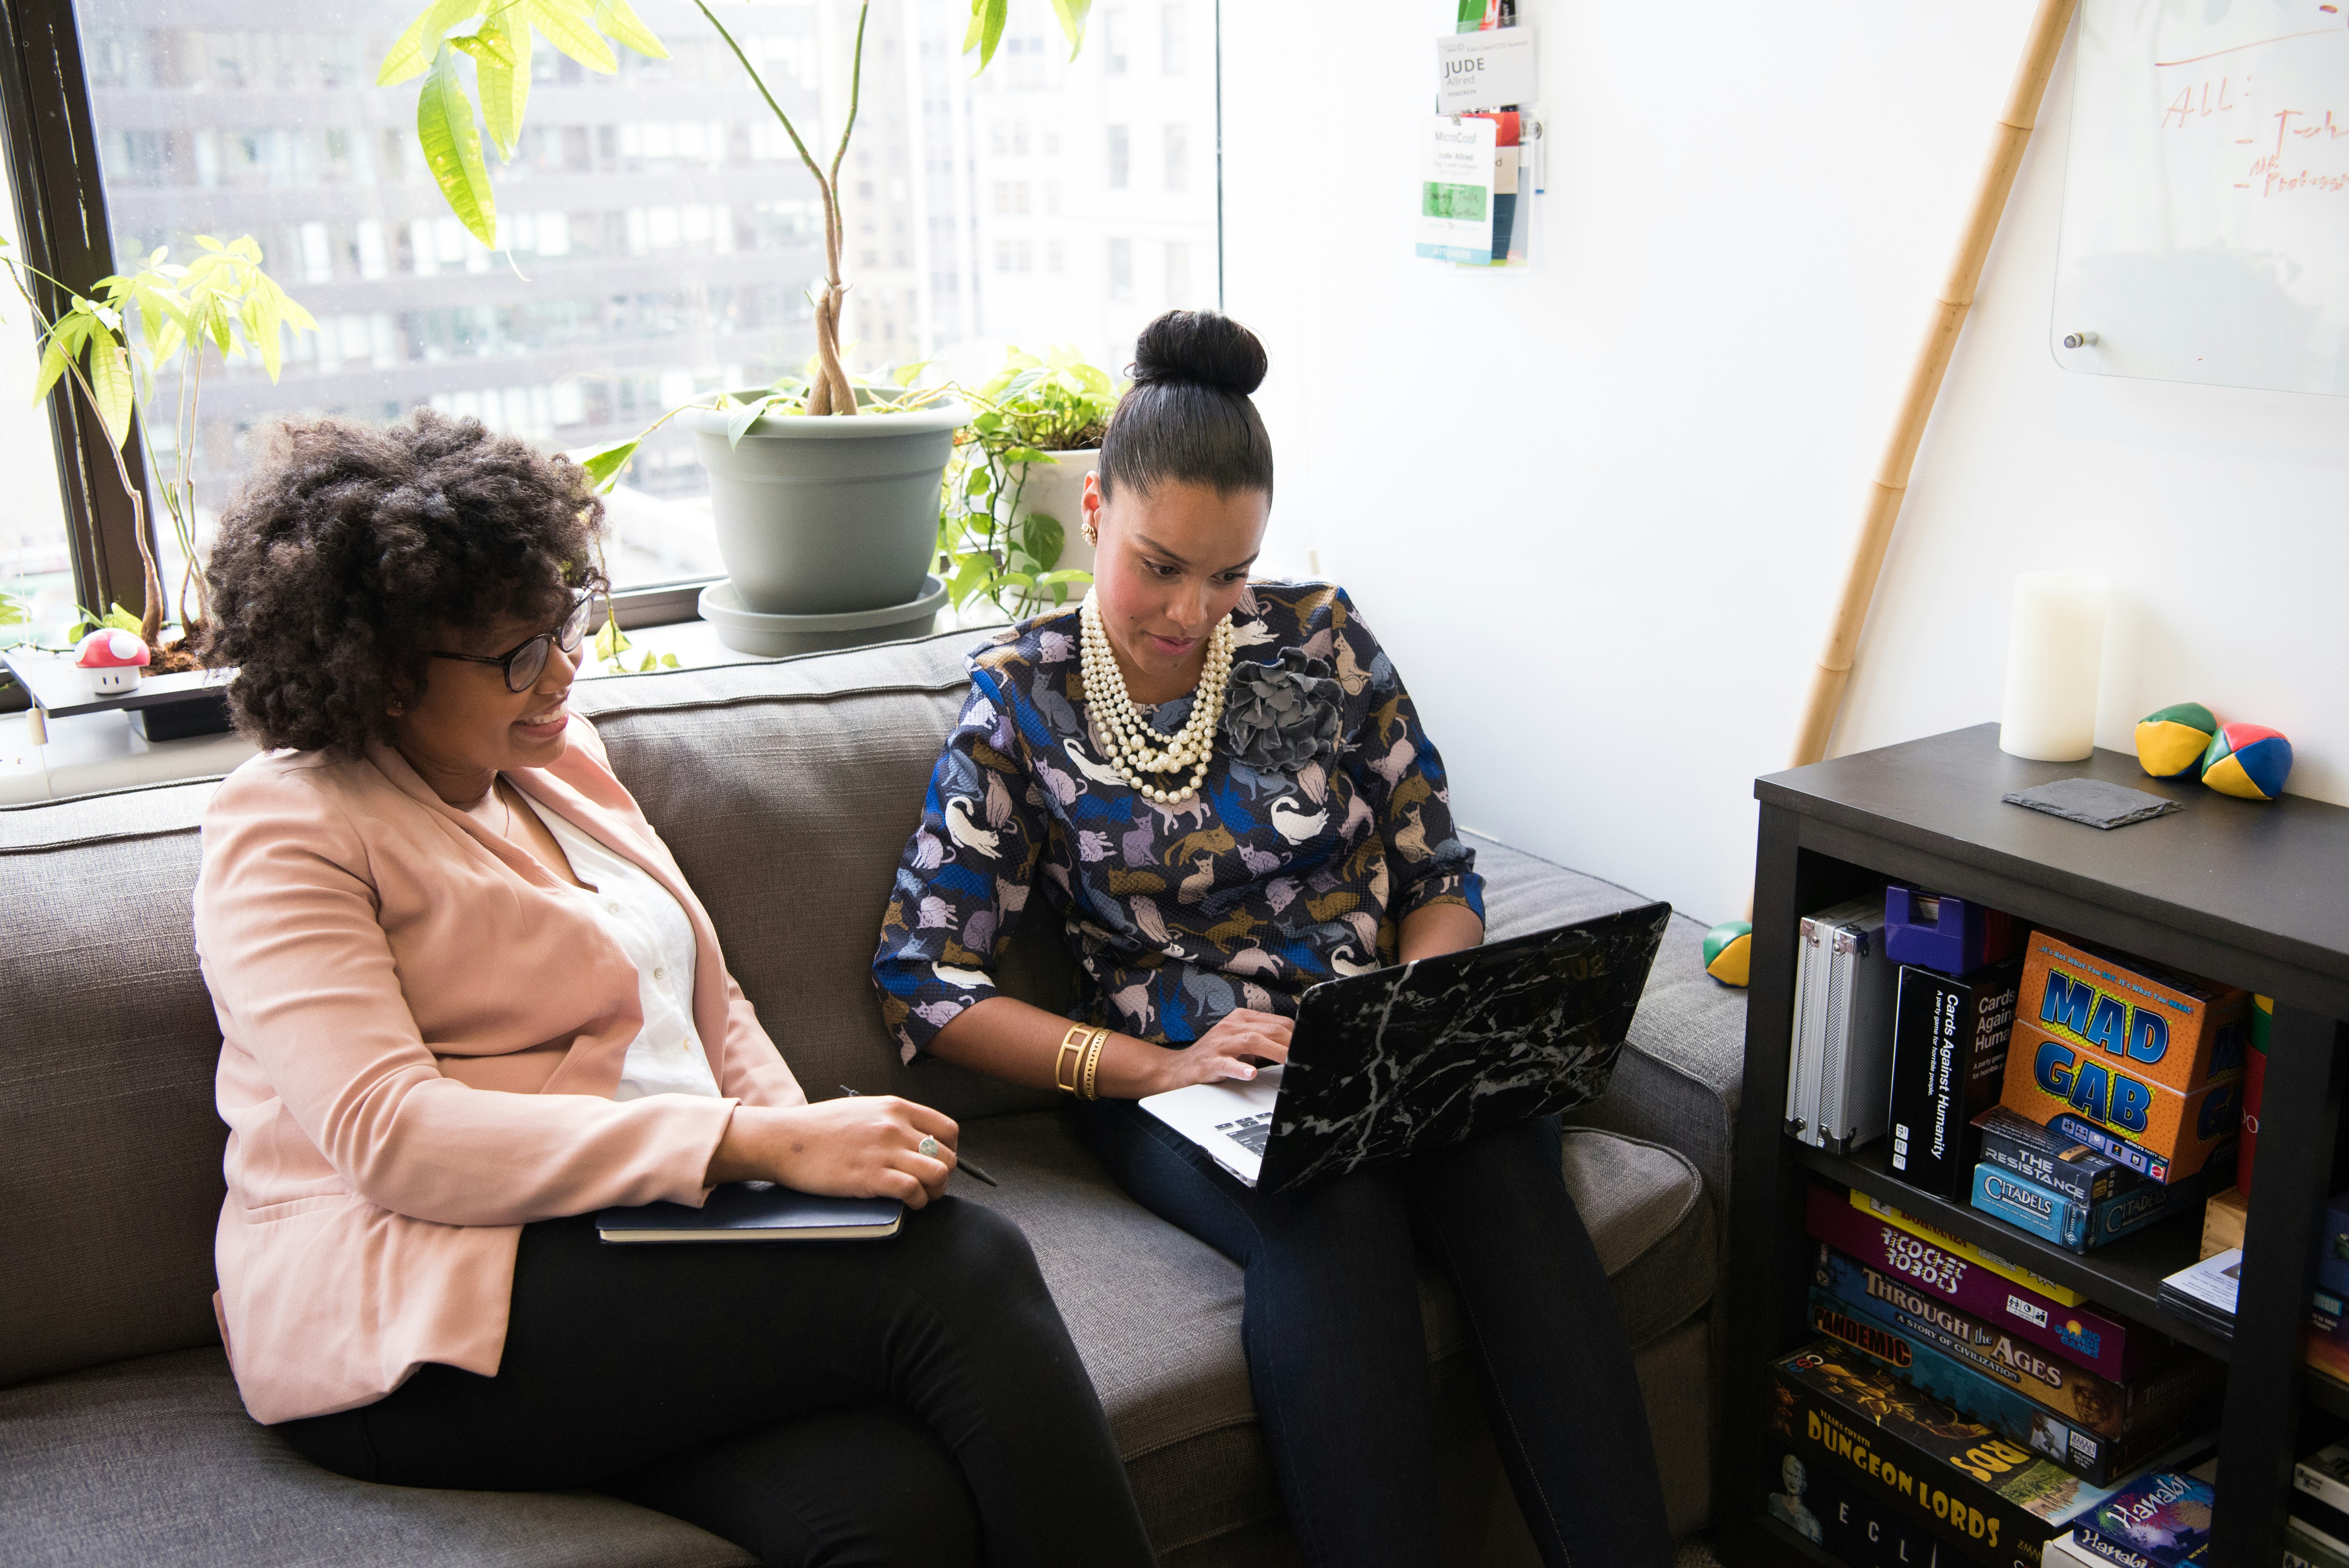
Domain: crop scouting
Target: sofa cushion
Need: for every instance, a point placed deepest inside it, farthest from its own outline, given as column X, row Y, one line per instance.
column 154, row 1461
column 111, row 1183
column 1155, row 1314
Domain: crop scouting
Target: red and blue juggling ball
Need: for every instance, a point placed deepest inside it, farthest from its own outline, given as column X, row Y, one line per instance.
column 2247, row 760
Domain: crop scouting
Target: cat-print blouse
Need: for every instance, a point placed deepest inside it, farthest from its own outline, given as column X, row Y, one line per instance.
column 1323, row 820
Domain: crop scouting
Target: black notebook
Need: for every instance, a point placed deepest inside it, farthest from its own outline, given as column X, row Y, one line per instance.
column 755, row 1211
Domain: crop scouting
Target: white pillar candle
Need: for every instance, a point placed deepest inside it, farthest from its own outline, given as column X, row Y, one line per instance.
column 2055, row 653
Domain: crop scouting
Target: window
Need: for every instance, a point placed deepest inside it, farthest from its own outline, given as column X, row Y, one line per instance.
column 1178, row 158
column 1173, row 40
column 1178, row 274
column 35, row 551
column 657, row 233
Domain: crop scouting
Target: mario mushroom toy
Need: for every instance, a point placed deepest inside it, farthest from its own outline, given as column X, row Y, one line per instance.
column 113, row 659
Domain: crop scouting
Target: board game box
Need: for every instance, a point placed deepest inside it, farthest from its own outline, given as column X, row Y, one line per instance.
column 2006, row 1410
column 1949, row 1061
column 2112, row 1346
column 2044, row 1155
column 2110, row 1407
column 2070, row 1222
column 2170, row 1030
column 1858, row 1530
column 2048, row 1076
column 1848, row 1418
column 2161, row 1519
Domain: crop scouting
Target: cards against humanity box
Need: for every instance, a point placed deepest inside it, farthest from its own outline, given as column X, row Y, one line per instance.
column 1948, row 1062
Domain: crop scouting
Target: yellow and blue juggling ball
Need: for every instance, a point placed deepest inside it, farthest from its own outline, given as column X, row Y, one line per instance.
column 2170, row 744
column 1728, row 952
column 2247, row 760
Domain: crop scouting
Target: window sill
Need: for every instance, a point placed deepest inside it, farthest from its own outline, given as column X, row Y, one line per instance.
column 102, row 751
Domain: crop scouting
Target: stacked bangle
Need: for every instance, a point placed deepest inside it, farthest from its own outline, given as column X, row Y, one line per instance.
column 1076, row 1069
column 1068, row 1067
column 1092, row 1063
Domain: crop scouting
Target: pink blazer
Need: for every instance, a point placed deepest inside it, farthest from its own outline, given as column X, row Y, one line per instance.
column 421, row 1034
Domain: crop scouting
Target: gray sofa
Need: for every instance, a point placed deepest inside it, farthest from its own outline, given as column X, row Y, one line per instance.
column 787, row 790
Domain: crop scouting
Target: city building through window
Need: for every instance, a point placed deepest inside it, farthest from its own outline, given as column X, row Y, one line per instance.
column 657, row 232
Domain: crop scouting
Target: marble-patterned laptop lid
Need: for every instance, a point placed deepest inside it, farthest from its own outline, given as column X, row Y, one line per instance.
column 1424, row 1055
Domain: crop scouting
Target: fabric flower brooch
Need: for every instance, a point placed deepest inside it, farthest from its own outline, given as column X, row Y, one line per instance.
column 1280, row 717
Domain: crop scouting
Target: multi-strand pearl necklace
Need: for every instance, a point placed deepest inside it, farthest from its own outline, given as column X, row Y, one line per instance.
column 1137, row 751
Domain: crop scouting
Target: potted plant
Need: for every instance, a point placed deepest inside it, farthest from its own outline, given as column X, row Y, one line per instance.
column 823, row 491
column 1010, row 531
column 112, row 348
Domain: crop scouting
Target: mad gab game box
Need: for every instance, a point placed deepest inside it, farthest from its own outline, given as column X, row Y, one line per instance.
column 2155, row 1059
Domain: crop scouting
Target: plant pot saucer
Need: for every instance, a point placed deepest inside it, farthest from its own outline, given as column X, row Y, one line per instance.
column 778, row 636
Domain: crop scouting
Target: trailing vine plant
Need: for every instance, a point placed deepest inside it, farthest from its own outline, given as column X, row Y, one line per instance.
column 497, row 35
column 1030, row 409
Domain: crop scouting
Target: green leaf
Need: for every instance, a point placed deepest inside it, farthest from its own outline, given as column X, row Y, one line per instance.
column 412, row 54
column 615, row 17
column 1026, row 454
column 452, row 148
column 53, row 364
column 986, row 29
column 979, row 483
column 505, row 88
column 565, row 23
column 740, row 421
column 604, row 463
column 611, row 642
column 1071, row 14
column 669, row 661
column 209, row 243
column 972, row 573
column 109, row 385
column 1064, row 576
column 1044, row 538
column 484, row 38
column 13, row 611
column 907, row 374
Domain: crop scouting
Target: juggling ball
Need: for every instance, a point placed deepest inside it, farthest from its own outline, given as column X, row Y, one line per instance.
column 2247, row 760
column 2169, row 743
column 1729, row 951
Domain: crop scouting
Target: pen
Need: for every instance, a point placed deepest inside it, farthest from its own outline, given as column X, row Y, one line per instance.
column 965, row 1166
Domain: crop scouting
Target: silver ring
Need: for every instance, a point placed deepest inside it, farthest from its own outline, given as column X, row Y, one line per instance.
column 929, row 1146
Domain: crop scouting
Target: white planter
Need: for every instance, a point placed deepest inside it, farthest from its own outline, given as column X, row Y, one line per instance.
column 1057, row 489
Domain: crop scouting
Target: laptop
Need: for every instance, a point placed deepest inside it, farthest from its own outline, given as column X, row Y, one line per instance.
column 1422, row 1055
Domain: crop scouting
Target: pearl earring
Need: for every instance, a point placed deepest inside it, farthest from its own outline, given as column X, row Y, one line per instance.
column 1092, row 533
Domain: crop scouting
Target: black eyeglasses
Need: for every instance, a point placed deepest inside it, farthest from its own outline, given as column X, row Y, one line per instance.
column 525, row 663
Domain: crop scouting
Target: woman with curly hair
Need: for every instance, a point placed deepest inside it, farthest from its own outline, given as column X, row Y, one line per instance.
column 1222, row 794
column 466, row 999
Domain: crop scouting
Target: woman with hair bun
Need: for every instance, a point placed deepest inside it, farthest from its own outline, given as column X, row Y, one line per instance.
column 1222, row 794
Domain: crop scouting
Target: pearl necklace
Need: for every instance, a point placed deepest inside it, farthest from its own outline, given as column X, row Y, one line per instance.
column 1137, row 750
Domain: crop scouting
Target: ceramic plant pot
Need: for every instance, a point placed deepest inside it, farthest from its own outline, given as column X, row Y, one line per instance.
column 827, row 516
column 1057, row 489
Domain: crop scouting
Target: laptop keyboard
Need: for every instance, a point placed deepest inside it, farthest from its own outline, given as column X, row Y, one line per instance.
column 1250, row 1132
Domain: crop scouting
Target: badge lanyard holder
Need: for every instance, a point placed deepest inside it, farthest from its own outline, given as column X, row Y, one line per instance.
column 1477, row 187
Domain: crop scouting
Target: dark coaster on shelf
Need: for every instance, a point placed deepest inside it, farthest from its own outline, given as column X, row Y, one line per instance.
column 2093, row 801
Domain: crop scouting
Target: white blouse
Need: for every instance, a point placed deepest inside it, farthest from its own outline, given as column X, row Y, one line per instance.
column 650, row 925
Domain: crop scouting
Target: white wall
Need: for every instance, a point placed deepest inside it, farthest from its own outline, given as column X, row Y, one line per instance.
column 1598, row 510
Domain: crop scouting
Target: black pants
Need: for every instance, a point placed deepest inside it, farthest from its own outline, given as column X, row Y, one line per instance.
column 1338, row 1359
column 914, row 1400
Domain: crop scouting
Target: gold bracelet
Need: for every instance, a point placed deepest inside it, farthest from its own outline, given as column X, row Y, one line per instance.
column 1068, row 1066
column 1092, row 1063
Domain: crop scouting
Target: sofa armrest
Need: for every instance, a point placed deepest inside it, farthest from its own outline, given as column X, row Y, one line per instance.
column 1678, row 1079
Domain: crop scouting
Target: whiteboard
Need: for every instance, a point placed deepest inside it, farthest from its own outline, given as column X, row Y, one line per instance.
column 2206, row 195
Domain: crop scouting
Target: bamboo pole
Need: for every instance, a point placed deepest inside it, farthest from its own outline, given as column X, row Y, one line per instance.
column 1890, row 486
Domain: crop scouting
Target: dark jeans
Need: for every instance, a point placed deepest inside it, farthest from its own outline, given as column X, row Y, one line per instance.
column 1338, row 1359
column 914, row 1400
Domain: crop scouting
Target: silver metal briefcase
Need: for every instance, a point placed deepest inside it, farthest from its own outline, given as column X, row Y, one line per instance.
column 1839, row 1085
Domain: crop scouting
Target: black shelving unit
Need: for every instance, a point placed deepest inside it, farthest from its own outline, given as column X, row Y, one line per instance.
column 2252, row 894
